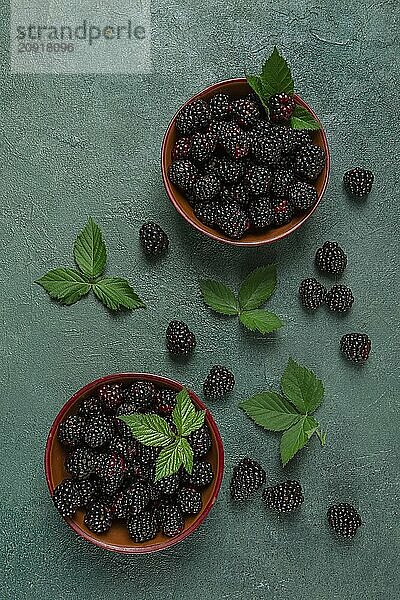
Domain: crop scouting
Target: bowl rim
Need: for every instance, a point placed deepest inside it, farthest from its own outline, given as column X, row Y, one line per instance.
column 214, row 234
column 218, row 478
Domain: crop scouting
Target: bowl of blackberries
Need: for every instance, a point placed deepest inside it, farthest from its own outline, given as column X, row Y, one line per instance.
column 237, row 170
column 123, row 494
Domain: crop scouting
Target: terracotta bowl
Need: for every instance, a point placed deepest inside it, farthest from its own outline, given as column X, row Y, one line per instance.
column 117, row 538
column 238, row 88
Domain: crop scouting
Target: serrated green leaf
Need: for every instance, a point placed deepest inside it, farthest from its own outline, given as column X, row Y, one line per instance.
column 255, row 83
column 302, row 119
column 90, row 250
column 271, row 411
column 302, row 387
column 260, row 320
column 219, row 297
column 187, row 455
column 296, row 437
column 169, row 460
column 276, row 76
column 149, row 429
column 196, row 423
column 185, row 416
column 115, row 292
column 65, row 285
column 258, row 286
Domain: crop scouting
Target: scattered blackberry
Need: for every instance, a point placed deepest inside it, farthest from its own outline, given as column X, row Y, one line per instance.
column 200, row 441
column 219, row 382
column 189, row 501
column 203, row 146
column 232, row 220
column 237, row 193
column 87, row 490
column 281, row 107
column 180, row 340
column 98, row 431
column 171, row 520
column 193, row 117
column 206, row 188
column 356, row 347
column 183, row 174
column 258, row 179
column 344, row 519
column 310, row 162
column 153, row 238
column 358, row 181
column 98, row 517
column 66, row 498
column 220, row 106
column 283, row 212
column 261, row 213
column 140, row 395
column 339, row 298
column 165, row 401
column 201, row 476
column 90, row 406
column 234, row 141
column 111, row 396
column 248, row 476
column 245, row 112
column 312, row 293
column 330, row 258
column 229, row 171
column 168, row 485
column 181, row 149
column 143, row 527
column 70, row 431
column 267, row 151
column 302, row 195
column 207, row 213
column 284, row 497
column 81, row 463
column 283, row 178
column 110, row 470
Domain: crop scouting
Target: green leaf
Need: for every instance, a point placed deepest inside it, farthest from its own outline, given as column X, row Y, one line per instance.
column 169, row 460
column 260, row 320
column 296, row 437
column 65, row 285
column 196, row 423
column 219, row 297
column 276, row 76
column 185, row 415
column 149, row 429
column 115, row 292
column 302, row 119
column 258, row 286
column 186, row 454
column 255, row 82
column 302, row 387
column 90, row 250
column 271, row 411
column 322, row 436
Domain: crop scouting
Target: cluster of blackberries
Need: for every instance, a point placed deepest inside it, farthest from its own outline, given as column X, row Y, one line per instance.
column 241, row 169
column 249, row 476
column 112, row 475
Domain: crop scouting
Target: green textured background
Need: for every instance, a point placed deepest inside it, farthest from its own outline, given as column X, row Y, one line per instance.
column 77, row 146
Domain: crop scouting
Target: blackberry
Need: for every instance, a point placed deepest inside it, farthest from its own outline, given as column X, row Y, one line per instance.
column 70, row 431
column 245, row 112
column 140, row 395
column 98, row 517
column 248, row 476
column 165, row 401
column 203, row 146
column 143, row 527
column 87, row 490
column 200, row 441
column 234, row 141
column 310, row 162
column 281, row 107
column 189, row 501
column 133, row 500
column 201, row 475
column 283, row 212
column 219, row 382
column 358, row 181
column 168, row 485
column 193, row 117
column 232, row 220
column 229, row 171
column 90, row 406
column 110, row 470
column 66, row 498
column 312, row 293
column 283, row 178
column 220, row 106
column 267, row 151
column 206, row 188
column 111, row 396
column 284, row 497
column 217, row 129
column 180, row 340
column 81, row 463
column 153, row 238
column 121, row 427
column 344, row 519
column 285, row 135
column 237, row 193
column 260, row 129
column 301, row 138
column 183, row 174
column 128, row 451
column 147, row 455
column 261, row 213
column 171, row 520
column 356, row 347
column 258, row 179
column 181, row 149
column 135, row 470
column 330, row 258
column 339, row 298
column 98, row 431
column 207, row 213
column 302, row 195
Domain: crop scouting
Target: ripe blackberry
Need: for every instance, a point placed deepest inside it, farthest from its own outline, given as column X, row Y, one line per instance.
column 88, row 490
column 201, row 475
column 261, row 128
column 219, row 382
column 258, row 179
column 165, row 401
column 281, row 107
column 245, row 112
column 168, row 485
column 183, row 174
column 143, row 527
column 301, row 138
column 206, row 188
column 339, row 298
column 234, row 141
column 229, row 171
column 111, row 396
column 110, row 470
column 124, row 448
column 180, row 340
column 310, row 162
column 81, row 463
column 134, row 500
column 207, row 213
column 285, row 135
column 237, row 193
column 267, row 151
column 193, row 117
column 140, row 395
column 181, row 149
column 261, row 213
column 344, row 519
column 66, row 498
column 302, row 195
column 232, row 220
column 70, row 431
column 248, row 476
column 135, row 470
column 284, row 497
column 98, row 431
column 283, row 211
column 121, row 427
column 171, row 520
column 200, row 441
column 147, row 455
column 358, row 181
column 220, row 106
column 217, row 129
column 331, row 258
column 282, row 179
column 98, row 517
column 153, row 238
column 356, row 347
column 203, row 146
column 312, row 293
column 90, row 406
column 189, row 501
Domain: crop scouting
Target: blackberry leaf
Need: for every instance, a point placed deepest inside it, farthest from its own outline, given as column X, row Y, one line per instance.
column 65, row 285
column 169, row 460
column 302, row 387
column 185, row 416
column 255, row 82
column 90, row 250
column 260, row 320
column 302, row 119
column 187, row 455
column 258, row 286
column 271, row 411
column 276, row 76
column 295, row 438
column 149, row 429
column 219, row 297
column 115, row 292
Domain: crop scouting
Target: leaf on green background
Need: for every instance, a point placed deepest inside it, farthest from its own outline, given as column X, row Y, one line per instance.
column 169, row 460
column 219, row 297
column 115, row 292
column 296, row 437
column 260, row 320
column 276, row 76
column 258, row 286
column 90, row 250
column 302, row 119
column 149, row 429
column 302, row 387
column 65, row 285
column 271, row 411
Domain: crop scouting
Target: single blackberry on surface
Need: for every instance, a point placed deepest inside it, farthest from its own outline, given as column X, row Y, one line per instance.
column 284, row 497
column 66, row 498
column 219, row 382
column 153, row 239
column 111, row 396
column 344, row 519
column 203, row 146
column 331, row 258
column 358, row 181
column 81, row 463
column 171, row 520
column 206, row 188
column 281, row 107
column 88, row 490
column 70, row 431
column 200, row 441
column 168, row 485
column 282, row 179
column 90, row 406
column 310, row 162
column 283, row 211
column 189, row 501
column 229, row 171
column 237, row 193
column 201, row 476
column 261, row 213
column 220, row 106
column 143, row 527
column 245, row 112
column 356, row 347
column 140, row 395
column 98, row 517
column 267, row 151
column 248, row 476
column 234, row 141
column 165, row 401
column 193, row 117
column 180, row 340
column 232, row 220
column 302, row 195
column 258, row 179
column 98, row 431
column 181, row 148
column 110, row 470
column 183, row 174
column 339, row 298
column 312, row 293
column 207, row 213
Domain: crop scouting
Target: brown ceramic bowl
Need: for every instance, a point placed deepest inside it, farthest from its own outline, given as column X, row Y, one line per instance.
column 238, row 88
column 117, row 538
